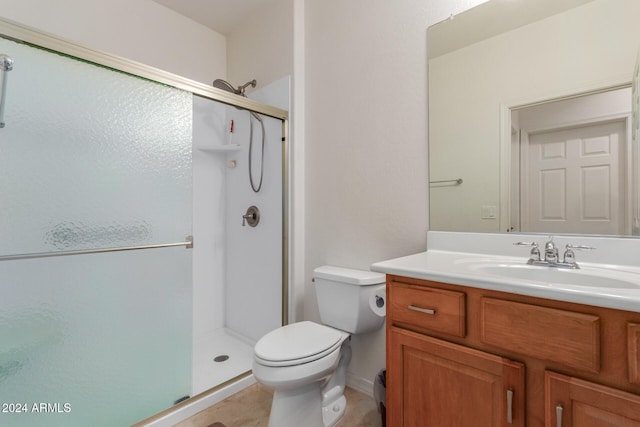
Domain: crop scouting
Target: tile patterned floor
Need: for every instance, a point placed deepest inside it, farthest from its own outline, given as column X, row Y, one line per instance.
column 250, row 408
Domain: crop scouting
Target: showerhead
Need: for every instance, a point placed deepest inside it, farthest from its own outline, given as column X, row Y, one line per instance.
column 225, row 85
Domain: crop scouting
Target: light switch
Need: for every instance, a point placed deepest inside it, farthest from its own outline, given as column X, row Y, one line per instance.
column 488, row 212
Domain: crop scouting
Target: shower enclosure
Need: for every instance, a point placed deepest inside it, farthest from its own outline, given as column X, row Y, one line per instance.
column 127, row 281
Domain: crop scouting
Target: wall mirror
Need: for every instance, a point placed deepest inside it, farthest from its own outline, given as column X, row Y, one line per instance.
column 532, row 124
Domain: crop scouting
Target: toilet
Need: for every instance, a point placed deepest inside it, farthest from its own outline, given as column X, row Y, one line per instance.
column 305, row 363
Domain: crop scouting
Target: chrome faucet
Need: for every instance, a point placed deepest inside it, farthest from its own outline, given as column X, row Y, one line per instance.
column 551, row 256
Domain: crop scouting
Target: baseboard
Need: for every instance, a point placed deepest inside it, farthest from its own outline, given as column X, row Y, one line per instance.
column 360, row 384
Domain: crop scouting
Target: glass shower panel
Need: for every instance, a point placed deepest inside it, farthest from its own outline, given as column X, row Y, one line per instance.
column 101, row 339
column 90, row 158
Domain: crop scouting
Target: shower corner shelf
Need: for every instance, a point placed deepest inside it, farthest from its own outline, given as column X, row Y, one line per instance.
column 221, row 148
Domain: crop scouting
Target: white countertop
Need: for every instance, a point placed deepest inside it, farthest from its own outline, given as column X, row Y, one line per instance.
column 455, row 268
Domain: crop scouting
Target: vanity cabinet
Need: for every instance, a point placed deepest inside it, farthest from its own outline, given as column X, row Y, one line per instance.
column 460, row 356
column 433, row 380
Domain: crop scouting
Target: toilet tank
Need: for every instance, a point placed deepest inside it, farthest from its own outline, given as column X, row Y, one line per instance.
column 344, row 298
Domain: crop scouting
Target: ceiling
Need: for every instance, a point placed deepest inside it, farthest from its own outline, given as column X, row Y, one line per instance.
column 489, row 19
column 219, row 15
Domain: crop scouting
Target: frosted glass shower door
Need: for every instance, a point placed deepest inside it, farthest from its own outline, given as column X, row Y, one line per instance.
column 91, row 158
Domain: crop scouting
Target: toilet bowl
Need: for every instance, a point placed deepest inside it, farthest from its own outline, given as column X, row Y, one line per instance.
column 299, row 378
column 305, row 363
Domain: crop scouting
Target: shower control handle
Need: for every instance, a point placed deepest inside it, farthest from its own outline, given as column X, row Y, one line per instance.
column 252, row 217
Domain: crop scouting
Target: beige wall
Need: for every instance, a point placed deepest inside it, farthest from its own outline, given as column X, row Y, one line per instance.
column 140, row 30
column 366, row 140
column 261, row 47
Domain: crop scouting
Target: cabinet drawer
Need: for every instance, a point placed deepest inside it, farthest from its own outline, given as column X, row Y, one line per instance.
column 633, row 349
column 428, row 308
column 561, row 336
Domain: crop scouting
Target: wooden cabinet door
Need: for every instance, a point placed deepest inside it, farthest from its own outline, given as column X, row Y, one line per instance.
column 434, row 383
column 578, row 403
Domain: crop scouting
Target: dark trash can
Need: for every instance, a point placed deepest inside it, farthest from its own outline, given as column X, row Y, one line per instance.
column 380, row 394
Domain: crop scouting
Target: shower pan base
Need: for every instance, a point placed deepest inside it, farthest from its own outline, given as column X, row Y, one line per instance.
column 207, row 372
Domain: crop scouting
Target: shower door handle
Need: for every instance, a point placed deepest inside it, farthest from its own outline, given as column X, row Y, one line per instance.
column 6, row 65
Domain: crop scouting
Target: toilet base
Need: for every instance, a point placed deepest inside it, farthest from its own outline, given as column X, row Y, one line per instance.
column 303, row 407
column 297, row 407
column 333, row 412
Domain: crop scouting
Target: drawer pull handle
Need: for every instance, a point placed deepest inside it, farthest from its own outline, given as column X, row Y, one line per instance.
column 559, row 416
column 510, row 406
column 421, row 310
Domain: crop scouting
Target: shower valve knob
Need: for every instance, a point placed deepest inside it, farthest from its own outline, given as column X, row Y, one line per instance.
column 252, row 217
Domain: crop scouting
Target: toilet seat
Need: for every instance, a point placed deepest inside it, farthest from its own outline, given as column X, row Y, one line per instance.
column 297, row 343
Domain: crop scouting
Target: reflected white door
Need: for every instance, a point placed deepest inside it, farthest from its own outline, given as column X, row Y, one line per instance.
column 576, row 180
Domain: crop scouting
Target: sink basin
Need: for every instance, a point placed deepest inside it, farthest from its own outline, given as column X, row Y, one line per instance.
column 586, row 277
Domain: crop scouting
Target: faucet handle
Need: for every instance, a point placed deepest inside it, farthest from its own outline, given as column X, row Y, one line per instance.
column 570, row 256
column 526, row 244
column 580, row 247
column 534, row 255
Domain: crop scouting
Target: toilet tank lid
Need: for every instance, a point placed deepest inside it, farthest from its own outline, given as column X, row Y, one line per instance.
column 348, row 275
